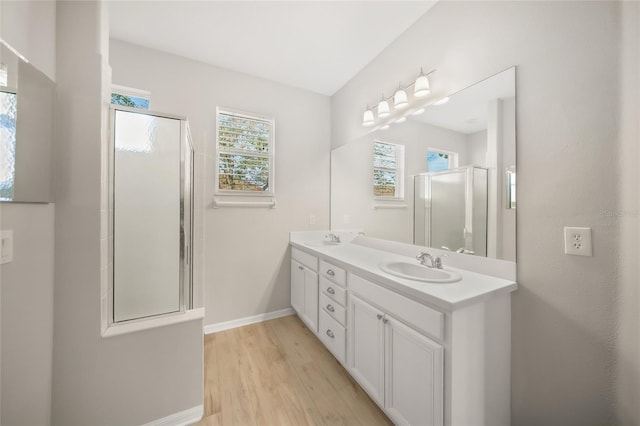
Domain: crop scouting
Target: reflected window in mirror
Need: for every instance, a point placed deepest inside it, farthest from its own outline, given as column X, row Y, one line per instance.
column 438, row 160
column 388, row 170
column 130, row 97
column 8, row 114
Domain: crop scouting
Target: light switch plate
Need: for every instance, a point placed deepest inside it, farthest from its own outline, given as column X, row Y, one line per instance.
column 577, row 241
column 6, row 247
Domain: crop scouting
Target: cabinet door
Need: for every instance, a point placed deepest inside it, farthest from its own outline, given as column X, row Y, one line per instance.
column 414, row 376
column 311, row 299
column 297, row 287
column 366, row 347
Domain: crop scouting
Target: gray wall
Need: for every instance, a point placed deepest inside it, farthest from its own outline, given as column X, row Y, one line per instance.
column 129, row 379
column 236, row 237
column 27, row 283
column 564, row 314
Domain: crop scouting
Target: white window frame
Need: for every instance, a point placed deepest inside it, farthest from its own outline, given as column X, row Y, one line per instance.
column 131, row 91
column 400, row 169
column 271, row 155
column 453, row 157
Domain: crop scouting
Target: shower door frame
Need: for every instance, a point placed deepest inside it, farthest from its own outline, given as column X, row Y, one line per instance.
column 185, row 289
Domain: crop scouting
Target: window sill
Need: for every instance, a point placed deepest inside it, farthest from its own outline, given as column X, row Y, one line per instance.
column 147, row 324
column 268, row 203
column 398, row 204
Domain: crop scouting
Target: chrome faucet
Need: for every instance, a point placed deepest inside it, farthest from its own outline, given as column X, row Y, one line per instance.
column 434, row 262
column 333, row 237
column 423, row 257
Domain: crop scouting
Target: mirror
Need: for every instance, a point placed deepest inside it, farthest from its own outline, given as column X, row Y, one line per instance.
column 27, row 99
column 443, row 177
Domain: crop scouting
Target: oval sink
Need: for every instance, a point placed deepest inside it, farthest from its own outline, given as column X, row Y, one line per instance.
column 321, row 243
column 417, row 272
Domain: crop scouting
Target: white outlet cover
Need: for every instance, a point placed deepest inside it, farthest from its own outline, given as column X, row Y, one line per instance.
column 577, row 241
column 6, row 247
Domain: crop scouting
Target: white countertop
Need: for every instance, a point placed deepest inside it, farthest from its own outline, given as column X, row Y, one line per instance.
column 472, row 288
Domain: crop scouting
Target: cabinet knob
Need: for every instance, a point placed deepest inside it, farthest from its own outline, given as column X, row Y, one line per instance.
column 330, row 290
column 385, row 320
column 300, row 267
column 330, row 334
column 330, row 272
column 379, row 316
column 330, row 308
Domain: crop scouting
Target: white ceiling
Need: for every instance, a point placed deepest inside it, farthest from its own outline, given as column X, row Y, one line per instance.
column 314, row 45
column 467, row 110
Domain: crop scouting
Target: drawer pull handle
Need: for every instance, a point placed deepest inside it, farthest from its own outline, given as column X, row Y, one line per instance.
column 385, row 320
column 330, row 272
column 330, row 308
column 300, row 267
column 379, row 316
column 330, row 334
column 330, row 290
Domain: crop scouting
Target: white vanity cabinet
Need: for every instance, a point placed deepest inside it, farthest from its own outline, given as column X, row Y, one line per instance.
column 427, row 354
column 402, row 369
column 304, row 287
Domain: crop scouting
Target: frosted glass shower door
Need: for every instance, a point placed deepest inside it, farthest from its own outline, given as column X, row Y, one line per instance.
column 147, row 201
column 448, row 210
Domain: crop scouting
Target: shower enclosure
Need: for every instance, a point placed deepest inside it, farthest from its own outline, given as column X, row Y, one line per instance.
column 151, row 176
column 450, row 210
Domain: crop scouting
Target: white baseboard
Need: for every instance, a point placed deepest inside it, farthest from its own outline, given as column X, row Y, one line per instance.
column 182, row 418
column 227, row 325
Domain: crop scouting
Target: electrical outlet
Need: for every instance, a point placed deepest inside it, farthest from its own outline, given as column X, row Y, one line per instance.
column 345, row 219
column 312, row 219
column 577, row 241
column 6, row 247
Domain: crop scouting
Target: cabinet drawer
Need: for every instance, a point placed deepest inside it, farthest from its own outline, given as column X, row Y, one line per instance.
column 415, row 314
column 334, row 291
column 308, row 260
column 333, row 273
column 333, row 309
column 333, row 335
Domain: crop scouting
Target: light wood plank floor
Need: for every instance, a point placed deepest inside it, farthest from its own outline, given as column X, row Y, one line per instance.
column 278, row 373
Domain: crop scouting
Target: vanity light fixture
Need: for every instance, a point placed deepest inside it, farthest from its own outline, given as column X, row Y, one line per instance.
column 383, row 108
column 421, row 87
column 400, row 99
column 367, row 118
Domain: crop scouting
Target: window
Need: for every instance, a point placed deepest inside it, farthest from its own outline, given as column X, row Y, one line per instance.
column 438, row 160
column 129, row 97
column 388, row 170
column 244, row 154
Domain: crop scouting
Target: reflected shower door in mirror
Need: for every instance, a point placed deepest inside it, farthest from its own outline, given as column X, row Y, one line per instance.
column 27, row 99
column 151, row 204
column 450, row 210
column 473, row 129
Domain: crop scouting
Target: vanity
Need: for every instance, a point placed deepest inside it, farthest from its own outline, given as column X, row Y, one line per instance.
column 429, row 351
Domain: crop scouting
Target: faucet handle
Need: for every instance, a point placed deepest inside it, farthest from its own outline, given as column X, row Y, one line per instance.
column 437, row 262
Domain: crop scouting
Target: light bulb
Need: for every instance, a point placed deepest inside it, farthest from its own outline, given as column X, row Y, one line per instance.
column 421, row 87
column 400, row 99
column 367, row 118
column 383, row 108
